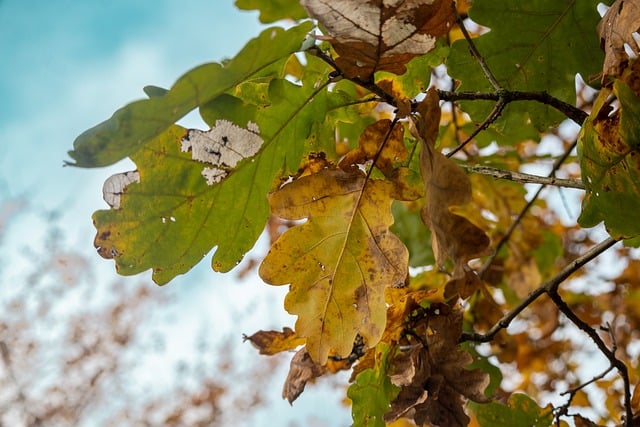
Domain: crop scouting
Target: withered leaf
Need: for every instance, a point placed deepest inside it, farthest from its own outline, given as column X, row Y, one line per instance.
column 272, row 342
column 374, row 35
column 369, row 143
column 301, row 370
column 433, row 378
column 615, row 28
column 339, row 261
column 446, row 186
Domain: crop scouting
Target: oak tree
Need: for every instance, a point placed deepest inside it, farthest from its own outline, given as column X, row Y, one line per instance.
column 414, row 163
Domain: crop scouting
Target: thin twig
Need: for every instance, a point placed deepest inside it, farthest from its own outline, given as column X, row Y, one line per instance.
column 492, row 117
column 549, row 286
column 609, row 353
column 503, row 241
column 476, row 54
column 524, row 177
column 564, row 409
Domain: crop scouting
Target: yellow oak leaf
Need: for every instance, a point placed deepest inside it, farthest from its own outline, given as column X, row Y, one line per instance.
column 339, row 261
column 273, row 342
column 373, row 137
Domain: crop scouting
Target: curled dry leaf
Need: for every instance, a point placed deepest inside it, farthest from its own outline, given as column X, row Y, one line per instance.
column 621, row 20
column 446, row 186
column 374, row 35
column 272, row 342
column 433, row 378
column 302, row 370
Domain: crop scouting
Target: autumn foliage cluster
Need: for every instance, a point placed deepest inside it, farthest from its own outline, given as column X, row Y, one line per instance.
column 417, row 165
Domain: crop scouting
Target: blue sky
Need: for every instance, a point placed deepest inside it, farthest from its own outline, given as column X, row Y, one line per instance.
column 68, row 65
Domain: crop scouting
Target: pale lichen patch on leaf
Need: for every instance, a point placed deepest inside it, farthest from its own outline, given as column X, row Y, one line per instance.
column 223, row 146
column 116, row 185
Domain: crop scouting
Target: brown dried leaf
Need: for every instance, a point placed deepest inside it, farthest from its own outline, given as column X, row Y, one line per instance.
column 369, row 143
column 615, row 28
column 272, row 342
column 434, row 378
column 374, row 35
column 464, row 286
column 446, row 186
column 302, row 370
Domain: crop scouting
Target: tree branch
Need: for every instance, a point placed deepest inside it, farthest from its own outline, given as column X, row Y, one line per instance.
column 550, row 286
column 610, row 354
column 524, row 177
column 543, row 97
column 524, row 211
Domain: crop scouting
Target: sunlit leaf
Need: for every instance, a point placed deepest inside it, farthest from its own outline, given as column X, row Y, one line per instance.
column 134, row 125
column 339, row 261
column 173, row 218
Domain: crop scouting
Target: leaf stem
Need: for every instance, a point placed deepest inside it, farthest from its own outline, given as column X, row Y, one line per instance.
column 524, row 177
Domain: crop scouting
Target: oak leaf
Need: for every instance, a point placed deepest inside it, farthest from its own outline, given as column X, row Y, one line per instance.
column 374, row 35
column 433, row 376
column 609, row 154
column 621, row 20
column 339, row 261
column 302, row 370
column 446, row 186
column 372, row 391
column 381, row 142
column 272, row 342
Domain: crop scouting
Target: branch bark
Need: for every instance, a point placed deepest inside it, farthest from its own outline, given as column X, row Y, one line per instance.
column 524, row 177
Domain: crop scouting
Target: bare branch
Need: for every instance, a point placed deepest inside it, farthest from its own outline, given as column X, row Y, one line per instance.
column 543, row 97
column 524, row 177
column 550, row 286
column 609, row 353
column 524, row 211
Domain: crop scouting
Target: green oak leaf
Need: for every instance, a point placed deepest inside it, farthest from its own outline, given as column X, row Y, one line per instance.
column 372, row 392
column 521, row 411
column 609, row 153
column 171, row 219
column 536, row 45
column 134, row 125
column 274, row 10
